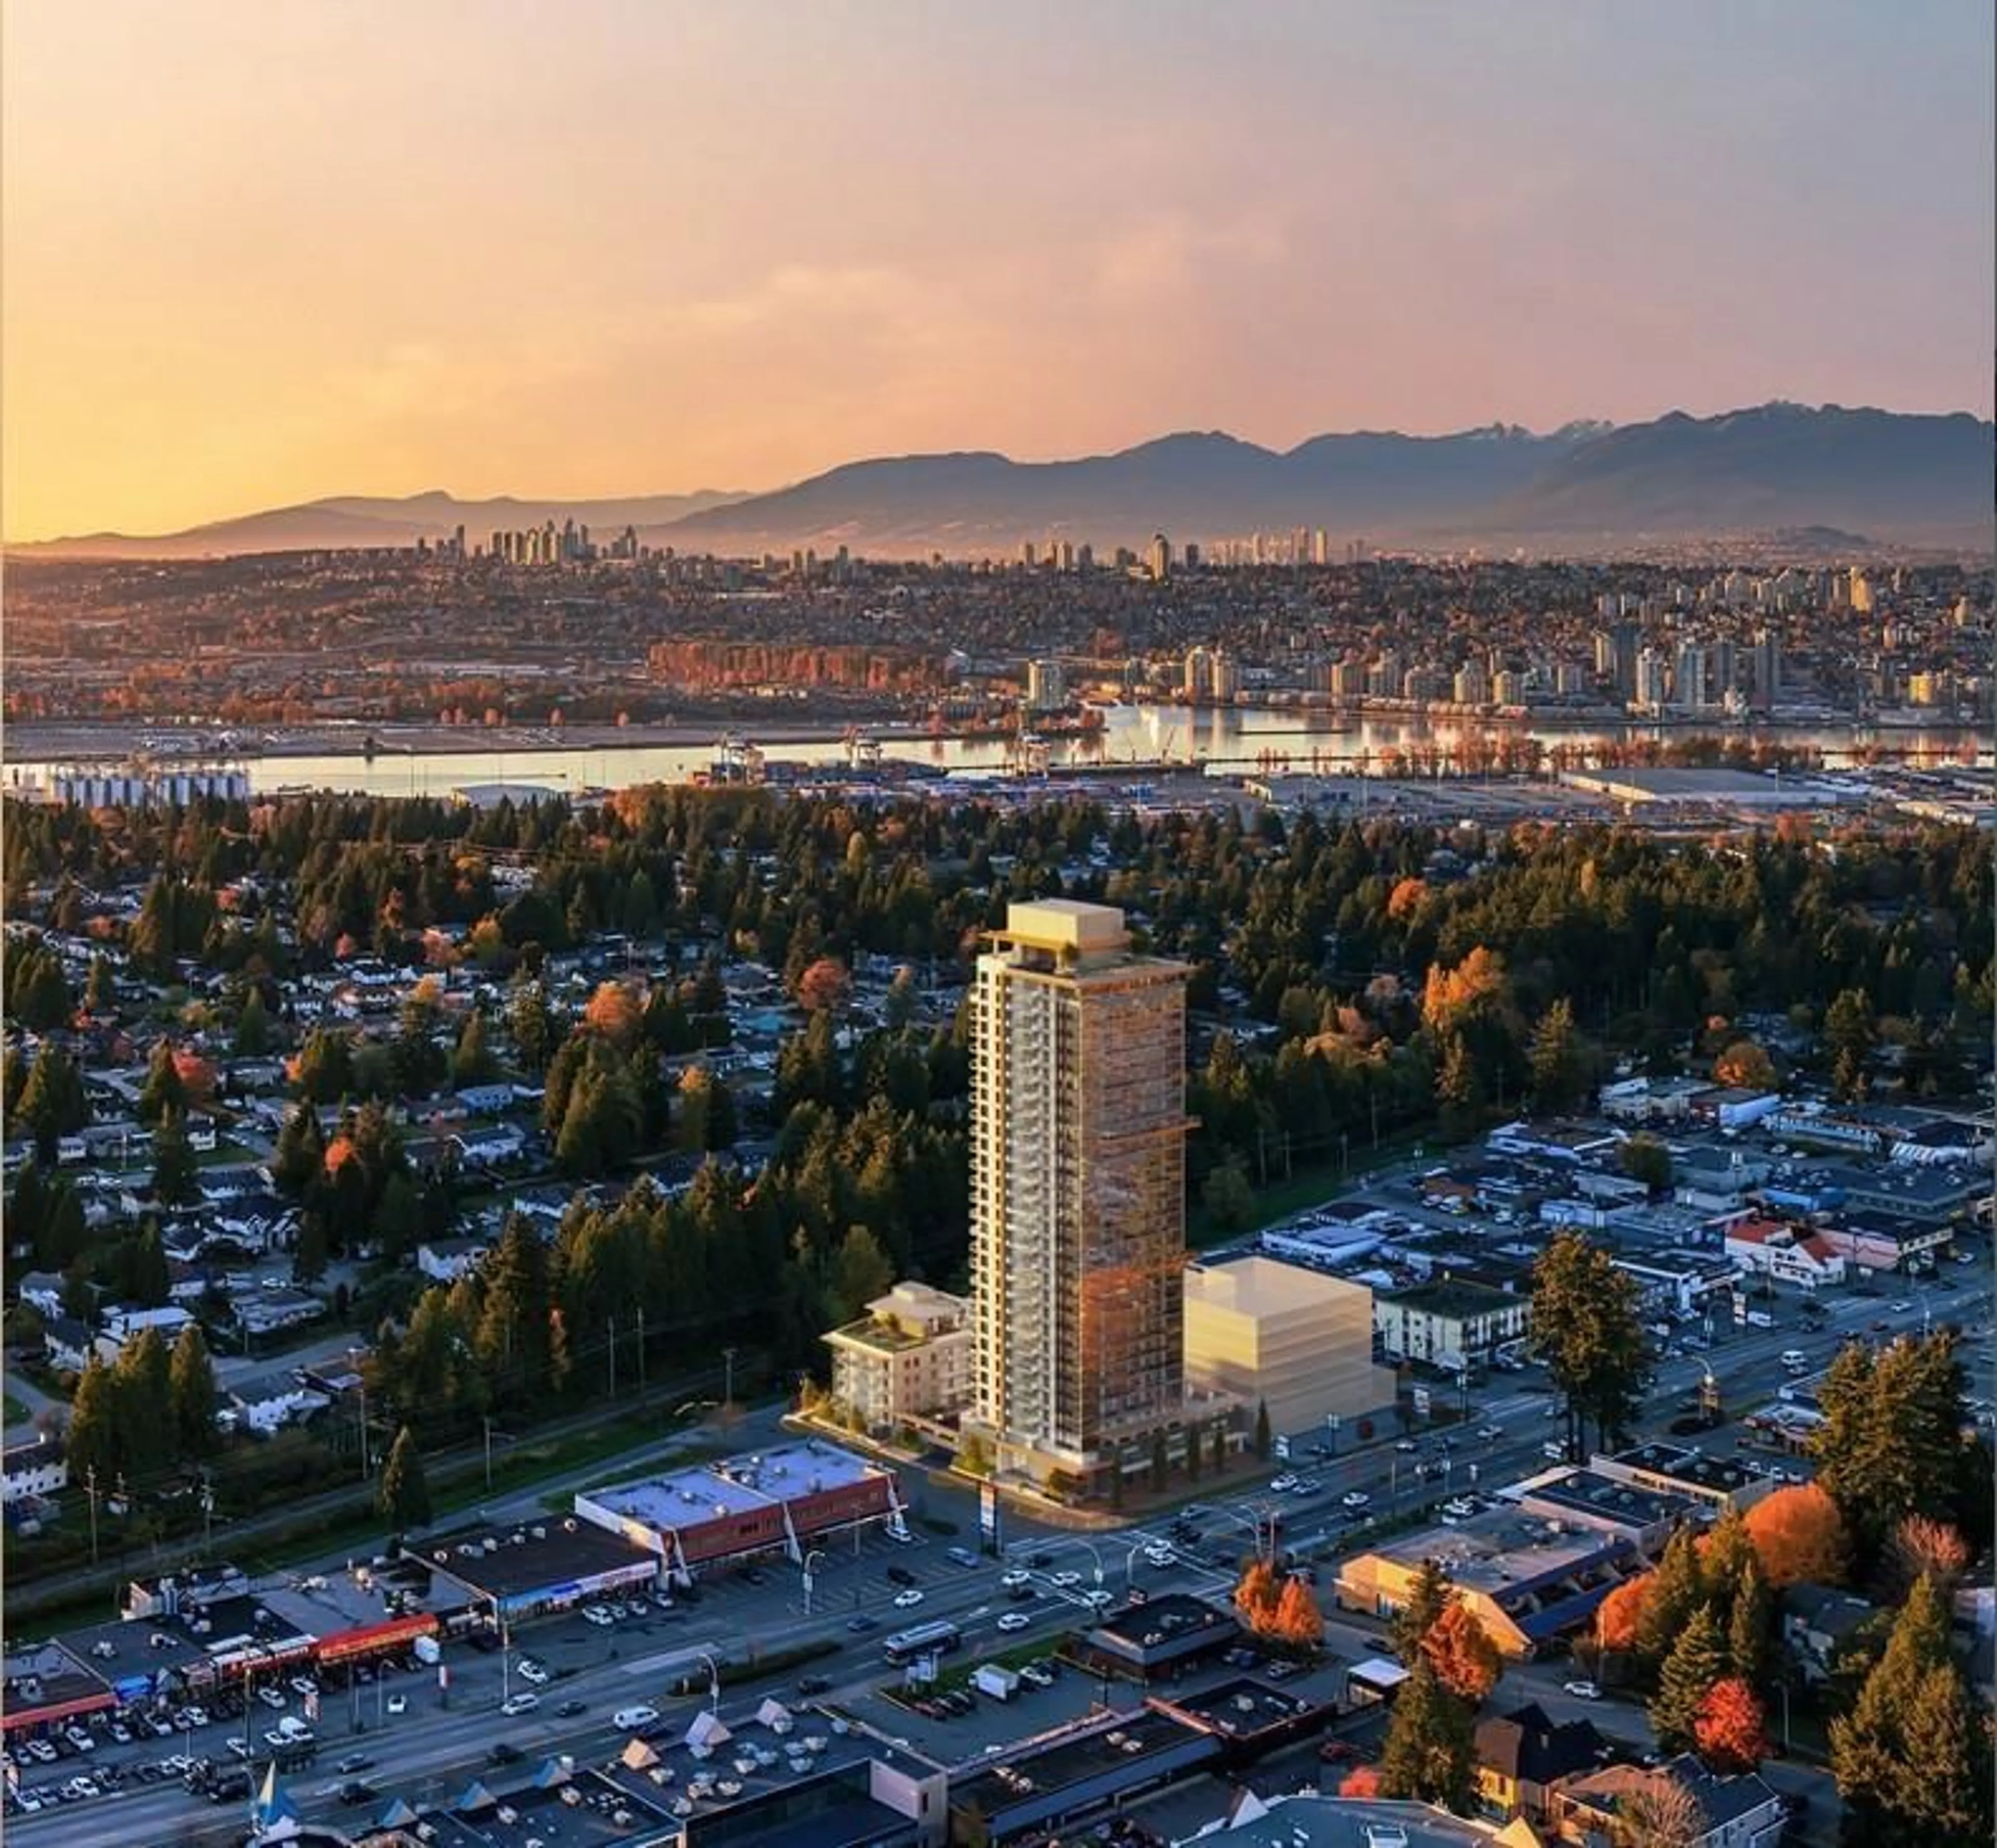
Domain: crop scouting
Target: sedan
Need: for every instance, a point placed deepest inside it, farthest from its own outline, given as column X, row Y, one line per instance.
column 1012, row 1581
column 1285, row 1483
column 531, row 1672
column 1490, row 1433
column 1014, row 1620
column 597, row 1615
column 908, row 1600
column 860, row 1624
column 1407, row 1444
column 1067, row 1580
column 570, row 1709
column 399, row 1703
column 1582, row 1691
column 1355, row 1498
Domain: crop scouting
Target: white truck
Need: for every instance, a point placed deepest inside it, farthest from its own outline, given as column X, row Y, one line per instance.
column 1001, row 1684
column 429, row 1651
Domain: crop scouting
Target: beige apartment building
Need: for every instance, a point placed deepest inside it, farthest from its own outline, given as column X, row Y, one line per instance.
column 1295, row 1340
column 909, row 1357
column 1078, row 1206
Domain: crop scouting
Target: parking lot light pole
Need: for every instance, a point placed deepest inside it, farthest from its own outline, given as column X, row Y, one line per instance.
column 814, row 1555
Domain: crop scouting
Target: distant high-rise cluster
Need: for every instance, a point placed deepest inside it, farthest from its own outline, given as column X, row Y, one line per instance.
column 547, row 544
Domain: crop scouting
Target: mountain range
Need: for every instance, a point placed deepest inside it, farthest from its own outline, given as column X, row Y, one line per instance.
column 1917, row 480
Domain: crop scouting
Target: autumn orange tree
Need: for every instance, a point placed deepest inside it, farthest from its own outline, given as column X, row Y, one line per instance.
column 1298, row 1623
column 1921, row 1544
column 1460, row 1650
column 1362, row 1782
column 1619, row 1618
column 1256, row 1594
column 1799, row 1537
column 1729, row 1730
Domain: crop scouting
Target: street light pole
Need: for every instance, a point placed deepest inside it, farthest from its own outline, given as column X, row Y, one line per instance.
column 728, row 1377
column 809, row 1580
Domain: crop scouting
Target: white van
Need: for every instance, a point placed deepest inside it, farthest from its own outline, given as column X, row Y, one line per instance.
column 1794, row 1360
column 1759, row 1318
column 630, row 1719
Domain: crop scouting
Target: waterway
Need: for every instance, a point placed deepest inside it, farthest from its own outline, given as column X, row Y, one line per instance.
column 1143, row 737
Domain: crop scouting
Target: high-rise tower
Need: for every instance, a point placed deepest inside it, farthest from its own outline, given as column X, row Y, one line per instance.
column 1078, row 1174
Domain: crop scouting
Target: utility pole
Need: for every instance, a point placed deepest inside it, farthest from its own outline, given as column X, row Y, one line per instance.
column 641, row 1350
column 728, row 1377
column 90, row 1489
column 207, row 1517
column 486, row 1421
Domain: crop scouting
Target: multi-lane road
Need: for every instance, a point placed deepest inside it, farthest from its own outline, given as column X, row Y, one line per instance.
column 441, row 1738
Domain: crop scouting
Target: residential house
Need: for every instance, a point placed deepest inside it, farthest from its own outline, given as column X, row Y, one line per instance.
column 43, row 1291
column 267, row 1310
column 69, row 1342
column 1818, row 1622
column 1739, row 1812
column 1521, row 1754
column 36, row 1469
column 263, row 1406
column 445, row 1261
column 487, row 1146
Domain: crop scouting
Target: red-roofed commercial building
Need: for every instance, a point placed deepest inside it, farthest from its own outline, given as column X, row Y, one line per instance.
column 1789, row 1254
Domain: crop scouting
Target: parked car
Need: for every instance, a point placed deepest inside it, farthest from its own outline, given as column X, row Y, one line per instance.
column 1582, row 1691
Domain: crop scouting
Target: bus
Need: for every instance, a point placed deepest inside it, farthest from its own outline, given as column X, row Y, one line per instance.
column 925, row 1639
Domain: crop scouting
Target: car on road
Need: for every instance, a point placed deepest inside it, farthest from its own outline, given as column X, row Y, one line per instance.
column 1014, row 1620
column 631, row 1719
column 352, row 1762
column 1407, row 1444
column 1286, row 1482
column 515, row 1704
column 1067, row 1580
column 1099, row 1598
column 860, row 1623
column 355, row 1792
column 531, row 1672
column 1900, row 1308
column 597, row 1615
column 1160, row 1556
column 1304, row 1485
column 1015, row 1579
column 1581, row 1691
column 569, row 1709
column 960, row 1555
column 399, row 1703
column 908, row 1600
column 1489, row 1433
column 502, row 1752
column 1355, row 1498
column 900, row 1575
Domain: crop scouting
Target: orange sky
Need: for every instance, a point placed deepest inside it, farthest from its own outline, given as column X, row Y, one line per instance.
column 258, row 251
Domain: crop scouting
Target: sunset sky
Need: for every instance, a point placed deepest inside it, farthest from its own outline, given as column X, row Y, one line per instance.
column 258, row 251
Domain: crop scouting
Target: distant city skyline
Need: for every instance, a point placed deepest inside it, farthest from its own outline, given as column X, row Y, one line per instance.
column 259, row 256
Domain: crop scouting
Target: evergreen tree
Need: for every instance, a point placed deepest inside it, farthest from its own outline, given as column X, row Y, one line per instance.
column 528, row 1027
column 1588, row 1326
column 404, row 1498
column 1555, row 1058
column 175, row 1172
column 190, row 1393
column 100, row 993
column 1911, row 1759
column 1264, row 1439
column 143, row 1277
column 163, row 1094
column 63, row 1234
column 1675, row 1591
column 1747, row 1626
column 1429, row 1595
column 1891, row 1443
column 96, row 1436
column 143, row 1377
column 472, row 1062
column 252, row 1037
column 512, row 1339
column 1697, row 1660
column 52, row 1104
column 300, row 1154
column 1430, row 1750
